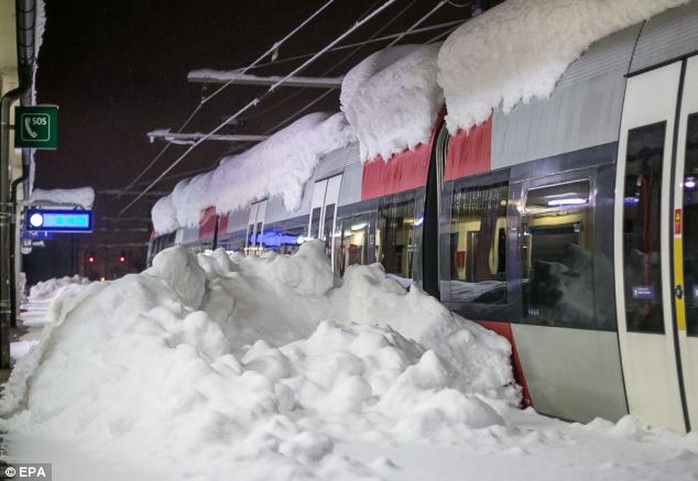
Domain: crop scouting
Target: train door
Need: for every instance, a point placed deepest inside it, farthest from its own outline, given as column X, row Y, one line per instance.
column 323, row 213
column 656, row 245
column 686, row 238
column 255, row 228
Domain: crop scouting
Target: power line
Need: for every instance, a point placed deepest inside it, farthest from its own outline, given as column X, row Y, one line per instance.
column 203, row 101
column 361, row 45
column 397, row 39
column 419, row 22
column 257, row 100
column 366, row 42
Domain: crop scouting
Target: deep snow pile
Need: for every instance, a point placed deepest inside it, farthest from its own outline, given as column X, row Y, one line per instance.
column 47, row 290
column 220, row 361
column 279, row 166
column 391, row 99
column 519, row 49
column 46, row 298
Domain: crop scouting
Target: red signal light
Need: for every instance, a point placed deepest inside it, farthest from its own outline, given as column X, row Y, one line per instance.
column 91, row 259
column 122, row 259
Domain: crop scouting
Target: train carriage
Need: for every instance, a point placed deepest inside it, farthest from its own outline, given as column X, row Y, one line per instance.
column 569, row 225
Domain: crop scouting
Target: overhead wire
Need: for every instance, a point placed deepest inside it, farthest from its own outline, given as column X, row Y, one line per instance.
column 397, row 39
column 452, row 24
column 365, row 42
column 205, row 100
column 257, row 100
column 359, row 46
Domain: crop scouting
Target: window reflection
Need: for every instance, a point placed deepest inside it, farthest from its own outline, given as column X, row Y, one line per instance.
column 394, row 236
column 641, row 228
column 354, row 245
column 478, row 245
column 557, row 258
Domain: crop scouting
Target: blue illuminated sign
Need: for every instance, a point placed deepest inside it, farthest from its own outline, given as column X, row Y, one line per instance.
column 75, row 221
column 273, row 239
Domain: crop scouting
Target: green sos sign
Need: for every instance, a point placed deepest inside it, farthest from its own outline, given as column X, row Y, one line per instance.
column 36, row 127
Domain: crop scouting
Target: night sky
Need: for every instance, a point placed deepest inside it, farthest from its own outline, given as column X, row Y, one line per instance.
column 118, row 70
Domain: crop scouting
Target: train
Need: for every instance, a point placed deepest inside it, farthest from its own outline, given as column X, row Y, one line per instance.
column 569, row 225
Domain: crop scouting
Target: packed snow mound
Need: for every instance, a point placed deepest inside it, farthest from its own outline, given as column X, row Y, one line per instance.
column 395, row 107
column 83, row 196
column 46, row 298
column 279, row 166
column 261, row 364
column 520, row 49
column 48, row 289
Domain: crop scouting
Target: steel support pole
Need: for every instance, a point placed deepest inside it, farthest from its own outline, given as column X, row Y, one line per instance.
column 6, row 213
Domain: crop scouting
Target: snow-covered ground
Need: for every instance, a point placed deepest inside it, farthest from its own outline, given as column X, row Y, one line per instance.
column 46, row 297
column 222, row 367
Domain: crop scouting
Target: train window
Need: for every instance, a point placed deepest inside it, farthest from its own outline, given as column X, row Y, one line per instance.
column 690, row 226
column 478, row 245
column 315, row 223
column 641, row 228
column 354, row 242
column 394, row 236
column 557, row 256
column 327, row 234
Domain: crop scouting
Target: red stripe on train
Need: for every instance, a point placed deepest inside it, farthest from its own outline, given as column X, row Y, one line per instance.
column 222, row 225
column 404, row 171
column 469, row 152
column 207, row 223
column 504, row 330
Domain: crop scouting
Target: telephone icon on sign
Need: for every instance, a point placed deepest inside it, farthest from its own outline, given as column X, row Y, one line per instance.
column 27, row 126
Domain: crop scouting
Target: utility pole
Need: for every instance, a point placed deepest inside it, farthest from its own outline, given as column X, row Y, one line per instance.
column 25, row 14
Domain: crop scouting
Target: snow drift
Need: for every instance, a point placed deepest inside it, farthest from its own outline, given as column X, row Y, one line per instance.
column 520, row 49
column 217, row 360
column 46, row 298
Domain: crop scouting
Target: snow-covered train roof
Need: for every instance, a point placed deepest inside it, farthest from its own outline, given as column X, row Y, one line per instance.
column 512, row 53
column 281, row 165
column 520, row 49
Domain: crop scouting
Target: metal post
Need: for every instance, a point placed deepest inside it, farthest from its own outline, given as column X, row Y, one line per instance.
column 6, row 213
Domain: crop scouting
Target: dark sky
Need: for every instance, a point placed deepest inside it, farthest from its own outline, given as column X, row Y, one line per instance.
column 118, row 69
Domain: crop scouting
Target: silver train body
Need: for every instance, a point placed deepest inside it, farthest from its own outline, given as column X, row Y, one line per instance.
column 569, row 225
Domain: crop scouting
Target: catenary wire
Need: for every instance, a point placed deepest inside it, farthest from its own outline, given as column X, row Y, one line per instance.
column 343, row 60
column 397, row 39
column 203, row 101
column 257, row 100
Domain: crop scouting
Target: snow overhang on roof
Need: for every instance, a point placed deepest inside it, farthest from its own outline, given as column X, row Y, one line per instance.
column 279, row 166
column 518, row 51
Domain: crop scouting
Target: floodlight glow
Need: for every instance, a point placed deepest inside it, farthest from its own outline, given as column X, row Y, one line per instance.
column 690, row 183
column 359, row 226
column 567, row 201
